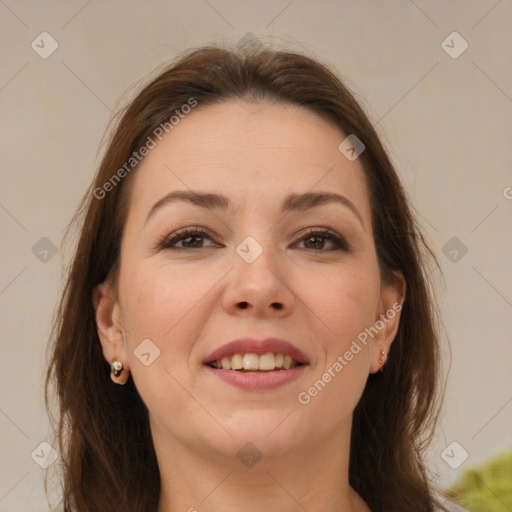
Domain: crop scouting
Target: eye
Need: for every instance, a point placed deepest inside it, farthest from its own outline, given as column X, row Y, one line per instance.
column 189, row 235
column 193, row 237
column 316, row 237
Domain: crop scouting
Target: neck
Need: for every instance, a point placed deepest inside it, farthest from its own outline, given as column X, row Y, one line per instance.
column 312, row 477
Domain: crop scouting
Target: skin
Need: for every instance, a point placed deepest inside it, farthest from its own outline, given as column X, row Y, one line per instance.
column 189, row 302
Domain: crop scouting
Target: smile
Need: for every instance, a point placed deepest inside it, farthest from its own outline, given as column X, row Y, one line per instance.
column 254, row 362
column 251, row 379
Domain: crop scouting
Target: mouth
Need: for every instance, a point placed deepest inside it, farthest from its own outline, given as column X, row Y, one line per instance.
column 257, row 365
column 254, row 363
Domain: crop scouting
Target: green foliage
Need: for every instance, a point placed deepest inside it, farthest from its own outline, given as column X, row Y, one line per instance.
column 487, row 488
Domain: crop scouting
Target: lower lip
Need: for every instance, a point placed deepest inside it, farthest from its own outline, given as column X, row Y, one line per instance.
column 256, row 381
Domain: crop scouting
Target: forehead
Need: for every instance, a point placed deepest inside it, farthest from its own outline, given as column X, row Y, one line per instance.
column 255, row 153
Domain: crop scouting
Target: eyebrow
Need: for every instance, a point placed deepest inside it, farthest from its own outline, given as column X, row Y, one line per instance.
column 292, row 202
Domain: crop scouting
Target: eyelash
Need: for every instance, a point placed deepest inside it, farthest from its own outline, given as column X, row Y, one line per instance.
column 180, row 234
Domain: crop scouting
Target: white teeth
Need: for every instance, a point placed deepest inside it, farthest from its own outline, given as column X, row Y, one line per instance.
column 267, row 361
column 252, row 362
column 237, row 362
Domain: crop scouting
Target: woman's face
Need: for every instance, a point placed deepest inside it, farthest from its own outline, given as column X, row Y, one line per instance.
column 253, row 272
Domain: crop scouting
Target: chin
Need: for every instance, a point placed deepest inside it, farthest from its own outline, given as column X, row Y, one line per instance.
column 273, row 432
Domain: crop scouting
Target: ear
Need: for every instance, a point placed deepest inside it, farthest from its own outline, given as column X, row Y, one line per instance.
column 110, row 329
column 392, row 297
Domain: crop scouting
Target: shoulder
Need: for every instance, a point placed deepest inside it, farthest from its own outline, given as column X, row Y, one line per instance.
column 451, row 506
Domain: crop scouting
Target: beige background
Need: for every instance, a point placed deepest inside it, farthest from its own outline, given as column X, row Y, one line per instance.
column 446, row 122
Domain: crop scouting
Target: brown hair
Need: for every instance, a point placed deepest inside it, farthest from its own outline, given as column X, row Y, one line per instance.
column 108, row 458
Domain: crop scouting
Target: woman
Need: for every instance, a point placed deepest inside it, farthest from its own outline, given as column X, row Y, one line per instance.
column 251, row 277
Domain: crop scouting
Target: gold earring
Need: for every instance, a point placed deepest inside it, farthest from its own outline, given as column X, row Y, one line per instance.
column 116, row 370
column 382, row 360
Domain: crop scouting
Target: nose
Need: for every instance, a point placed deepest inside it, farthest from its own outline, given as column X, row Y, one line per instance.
column 259, row 288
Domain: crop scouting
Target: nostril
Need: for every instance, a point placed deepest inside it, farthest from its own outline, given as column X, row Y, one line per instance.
column 276, row 305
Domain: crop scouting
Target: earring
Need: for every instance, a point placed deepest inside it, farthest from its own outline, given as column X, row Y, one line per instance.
column 116, row 369
column 382, row 360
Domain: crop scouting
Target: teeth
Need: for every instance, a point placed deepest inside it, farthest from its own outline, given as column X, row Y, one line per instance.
column 252, row 362
column 267, row 361
column 237, row 362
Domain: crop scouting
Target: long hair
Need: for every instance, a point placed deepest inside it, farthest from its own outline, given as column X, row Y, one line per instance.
column 102, row 429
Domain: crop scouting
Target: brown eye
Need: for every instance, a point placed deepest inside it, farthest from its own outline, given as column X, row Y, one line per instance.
column 192, row 239
column 315, row 241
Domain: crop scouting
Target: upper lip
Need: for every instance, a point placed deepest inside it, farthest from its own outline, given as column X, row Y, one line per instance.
column 254, row 346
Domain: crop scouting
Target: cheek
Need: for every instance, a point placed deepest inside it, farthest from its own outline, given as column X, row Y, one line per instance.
column 171, row 305
column 344, row 302
column 344, row 305
column 160, row 299
column 164, row 304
